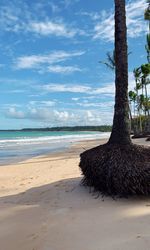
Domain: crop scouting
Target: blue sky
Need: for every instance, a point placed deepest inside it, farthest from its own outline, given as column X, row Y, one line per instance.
column 50, row 52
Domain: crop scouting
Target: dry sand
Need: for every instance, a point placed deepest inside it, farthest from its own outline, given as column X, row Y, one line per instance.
column 43, row 207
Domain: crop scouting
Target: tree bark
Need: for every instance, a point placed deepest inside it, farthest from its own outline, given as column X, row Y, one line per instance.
column 120, row 131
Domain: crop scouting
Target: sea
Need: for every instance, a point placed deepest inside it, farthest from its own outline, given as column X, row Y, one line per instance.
column 16, row 146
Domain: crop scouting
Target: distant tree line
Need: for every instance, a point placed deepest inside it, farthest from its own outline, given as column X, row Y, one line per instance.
column 103, row 128
column 139, row 98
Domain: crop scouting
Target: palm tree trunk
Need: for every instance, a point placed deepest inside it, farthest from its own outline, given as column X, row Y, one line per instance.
column 131, row 118
column 146, row 95
column 120, row 131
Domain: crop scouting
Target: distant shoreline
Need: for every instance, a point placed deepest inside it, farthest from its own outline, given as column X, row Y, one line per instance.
column 102, row 128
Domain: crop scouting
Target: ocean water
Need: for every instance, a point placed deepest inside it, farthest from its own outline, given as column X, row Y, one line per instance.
column 16, row 146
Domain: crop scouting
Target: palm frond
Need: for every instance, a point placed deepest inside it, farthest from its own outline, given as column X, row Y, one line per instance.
column 111, row 58
column 107, row 64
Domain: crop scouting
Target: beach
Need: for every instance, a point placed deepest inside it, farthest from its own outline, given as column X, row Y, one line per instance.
column 43, row 206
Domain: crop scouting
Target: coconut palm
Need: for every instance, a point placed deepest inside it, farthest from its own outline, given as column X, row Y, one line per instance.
column 147, row 12
column 145, row 104
column 147, row 47
column 133, row 98
column 145, row 70
column 137, row 74
column 110, row 60
column 140, row 107
column 147, row 17
column 118, row 167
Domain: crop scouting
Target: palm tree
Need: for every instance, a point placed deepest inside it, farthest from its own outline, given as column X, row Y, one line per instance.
column 118, row 167
column 147, row 18
column 137, row 74
column 146, row 103
column 133, row 98
column 138, row 85
column 147, row 47
column 140, row 107
column 145, row 70
column 110, row 60
column 147, row 11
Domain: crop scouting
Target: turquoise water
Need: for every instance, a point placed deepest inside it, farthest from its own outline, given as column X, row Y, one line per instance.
column 19, row 145
column 34, row 134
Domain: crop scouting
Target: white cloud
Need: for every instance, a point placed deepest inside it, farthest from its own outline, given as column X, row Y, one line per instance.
column 39, row 114
column 63, row 69
column 102, row 106
column 75, row 99
column 65, row 88
column 37, row 61
column 8, row 106
column 107, row 89
column 27, row 62
column 34, row 18
column 135, row 18
column 42, row 103
column 62, row 117
column 52, row 28
column 13, row 113
column 92, row 117
column 104, row 29
column 93, row 15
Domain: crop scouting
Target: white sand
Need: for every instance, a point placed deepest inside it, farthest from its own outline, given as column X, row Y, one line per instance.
column 43, row 207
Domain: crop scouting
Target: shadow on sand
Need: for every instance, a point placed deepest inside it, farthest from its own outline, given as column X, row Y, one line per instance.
column 47, row 214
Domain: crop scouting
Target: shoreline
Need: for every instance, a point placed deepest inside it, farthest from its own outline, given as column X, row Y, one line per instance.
column 48, row 152
column 20, row 149
column 84, row 143
column 41, row 195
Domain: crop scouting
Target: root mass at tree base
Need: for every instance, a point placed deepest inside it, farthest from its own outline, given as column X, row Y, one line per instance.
column 120, row 170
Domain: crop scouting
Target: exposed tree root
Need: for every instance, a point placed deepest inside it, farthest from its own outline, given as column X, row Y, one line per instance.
column 117, row 169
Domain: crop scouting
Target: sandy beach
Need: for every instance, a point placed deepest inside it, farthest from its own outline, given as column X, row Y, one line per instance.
column 44, row 207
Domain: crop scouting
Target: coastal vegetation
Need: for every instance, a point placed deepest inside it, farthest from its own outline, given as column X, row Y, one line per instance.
column 139, row 97
column 118, row 167
column 102, row 128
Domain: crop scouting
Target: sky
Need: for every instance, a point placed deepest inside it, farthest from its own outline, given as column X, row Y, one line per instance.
column 50, row 50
